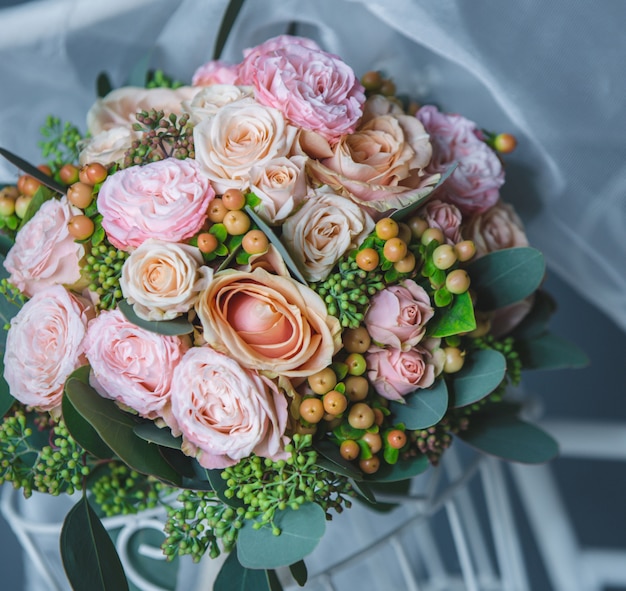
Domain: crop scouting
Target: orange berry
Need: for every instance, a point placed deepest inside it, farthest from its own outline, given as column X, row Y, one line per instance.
column 361, row 416
column 207, row 242
column 367, row 259
column 357, row 388
column 457, row 281
column 237, row 222
column 233, row 199
column 21, row 205
column 431, row 234
column 80, row 227
column 444, row 256
column 334, row 402
column 387, row 228
column 395, row 250
column 407, row 264
column 371, row 465
column 374, row 441
column 505, row 143
column 465, row 250
column 28, row 185
column 312, row 410
column 418, row 225
column 216, row 212
column 255, row 242
column 454, row 359
column 396, row 438
column 371, row 80
column 323, row 381
column 349, row 450
column 68, row 174
column 80, row 194
column 356, row 340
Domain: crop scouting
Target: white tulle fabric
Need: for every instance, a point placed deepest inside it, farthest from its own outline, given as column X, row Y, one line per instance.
column 551, row 73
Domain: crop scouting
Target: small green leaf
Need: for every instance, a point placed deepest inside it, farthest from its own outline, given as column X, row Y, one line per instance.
column 228, row 20
column 33, row 171
column 103, row 85
column 234, row 577
column 401, row 470
column 510, row 438
column 89, row 556
column 219, row 231
column 423, row 408
column 549, row 351
column 443, row 297
column 481, row 374
column 458, row 318
column 391, row 454
column 161, row 436
column 176, row 327
column 299, row 572
column 506, row 276
column 301, row 531
column 330, row 459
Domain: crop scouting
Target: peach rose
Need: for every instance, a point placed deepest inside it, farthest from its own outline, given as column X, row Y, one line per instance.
column 163, row 279
column 497, row 228
column 45, row 344
column 44, row 252
column 268, row 322
column 107, row 147
column 444, row 216
column 209, row 100
column 167, row 200
column 323, row 230
column 215, row 72
column 280, row 185
column 226, row 412
column 398, row 314
column 131, row 365
column 239, row 136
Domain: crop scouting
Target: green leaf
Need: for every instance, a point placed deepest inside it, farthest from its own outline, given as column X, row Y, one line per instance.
column 5, row 244
column 423, row 408
column 550, row 352
column 399, row 488
column 510, row 438
column 535, row 323
column 6, row 400
column 330, row 459
column 273, row 581
column 89, row 556
column 364, row 490
column 481, row 374
column 161, row 436
column 219, row 486
column 33, row 171
column 171, row 328
column 458, row 318
column 42, row 194
column 299, row 572
column 103, row 85
column 116, row 428
column 234, row 577
column 228, row 20
column 278, row 245
column 219, row 231
column 506, row 276
column 301, row 531
column 401, row 470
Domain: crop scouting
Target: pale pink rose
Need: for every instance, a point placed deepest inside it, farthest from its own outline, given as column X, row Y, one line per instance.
column 497, row 228
column 268, row 322
column 211, row 99
column 279, row 42
column 323, row 230
column 226, row 412
column 280, row 185
column 444, row 216
column 166, row 200
column 313, row 89
column 107, row 147
column 394, row 373
column 44, row 252
column 398, row 314
column 474, row 185
column 239, row 136
column 215, row 72
column 119, row 107
column 131, row 365
column 162, row 280
column 45, row 344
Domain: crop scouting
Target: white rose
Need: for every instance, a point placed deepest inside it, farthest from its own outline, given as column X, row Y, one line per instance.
column 107, row 147
column 163, row 279
column 323, row 230
column 210, row 99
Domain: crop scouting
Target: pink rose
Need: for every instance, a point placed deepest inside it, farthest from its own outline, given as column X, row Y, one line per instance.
column 313, row 89
column 215, row 72
column 44, row 252
column 226, row 412
column 395, row 373
column 45, row 344
column 268, row 322
column 131, row 365
column 398, row 314
column 278, row 42
column 474, row 185
column 444, row 216
column 166, row 200
column 497, row 228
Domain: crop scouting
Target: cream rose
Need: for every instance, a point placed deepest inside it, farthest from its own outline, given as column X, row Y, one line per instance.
column 45, row 344
column 226, row 412
column 211, row 99
column 239, row 136
column 268, row 322
column 107, row 147
column 163, row 279
column 323, row 230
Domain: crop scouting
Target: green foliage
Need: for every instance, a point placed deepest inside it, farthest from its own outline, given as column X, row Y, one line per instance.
column 549, row 351
column 481, row 374
column 423, row 408
column 42, row 195
column 228, row 20
column 234, row 577
column 158, row 79
column 457, row 318
column 60, row 144
column 401, row 470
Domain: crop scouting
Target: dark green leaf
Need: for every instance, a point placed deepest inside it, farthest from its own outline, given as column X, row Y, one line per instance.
column 273, row 581
column 116, row 428
column 82, row 431
column 364, row 490
column 301, row 531
column 330, row 459
column 176, row 327
column 33, row 171
column 506, row 276
column 481, row 374
column 508, row 437
column 401, row 470
column 458, row 318
column 228, row 20
column 182, row 464
column 550, row 352
column 161, row 436
column 278, row 245
column 396, row 488
column 535, row 323
column 423, row 408
column 234, row 577
column 103, row 85
column 5, row 244
column 219, row 486
column 299, row 572
column 6, row 400
column 89, row 556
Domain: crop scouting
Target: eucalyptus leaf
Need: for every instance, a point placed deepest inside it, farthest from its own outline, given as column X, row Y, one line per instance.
column 535, row 323
column 301, row 531
column 33, row 171
column 457, row 318
column 234, row 577
column 278, row 245
column 549, row 351
column 480, row 375
column 510, row 438
column 176, row 327
column 89, row 556
column 116, row 428
column 161, row 436
column 423, row 408
column 103, row 85
column 330, row 459
column 401, row 470
column 506, row 276
column 299, row 572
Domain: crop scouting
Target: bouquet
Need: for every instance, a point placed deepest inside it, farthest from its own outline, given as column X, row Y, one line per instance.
column 255, row 299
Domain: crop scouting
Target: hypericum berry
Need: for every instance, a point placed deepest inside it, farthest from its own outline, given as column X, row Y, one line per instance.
column 356, row 340
column 387, row 228
column 396, row 438
column 371, row 80
column 395, row 249
column 312, row 410
column 21, row 205
column 431, row 234
column 407, row 264
column 465, row 250
column 404, row 232
column 323, row 381
column 207, row 242
column 216, row 212
column 45, row 169
column 457, row 281
column 374, row 440
column 237, row 222
column 80, row 194
column 68, row 174
column 92, row 174
column 454, row 359
column 356, row 364
column 505, row 143
column 357, row 388
column 418, row 226
column 80, row 227
column 335, row 402
column 255, row 242
column 28, row 185
column 367, row 259
column 7, row 205
column 233, row 199
column 361, row 416
column 388, row 88
column 379, row 417
column 371, row 465
column 444, row 256
column 349, row 450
